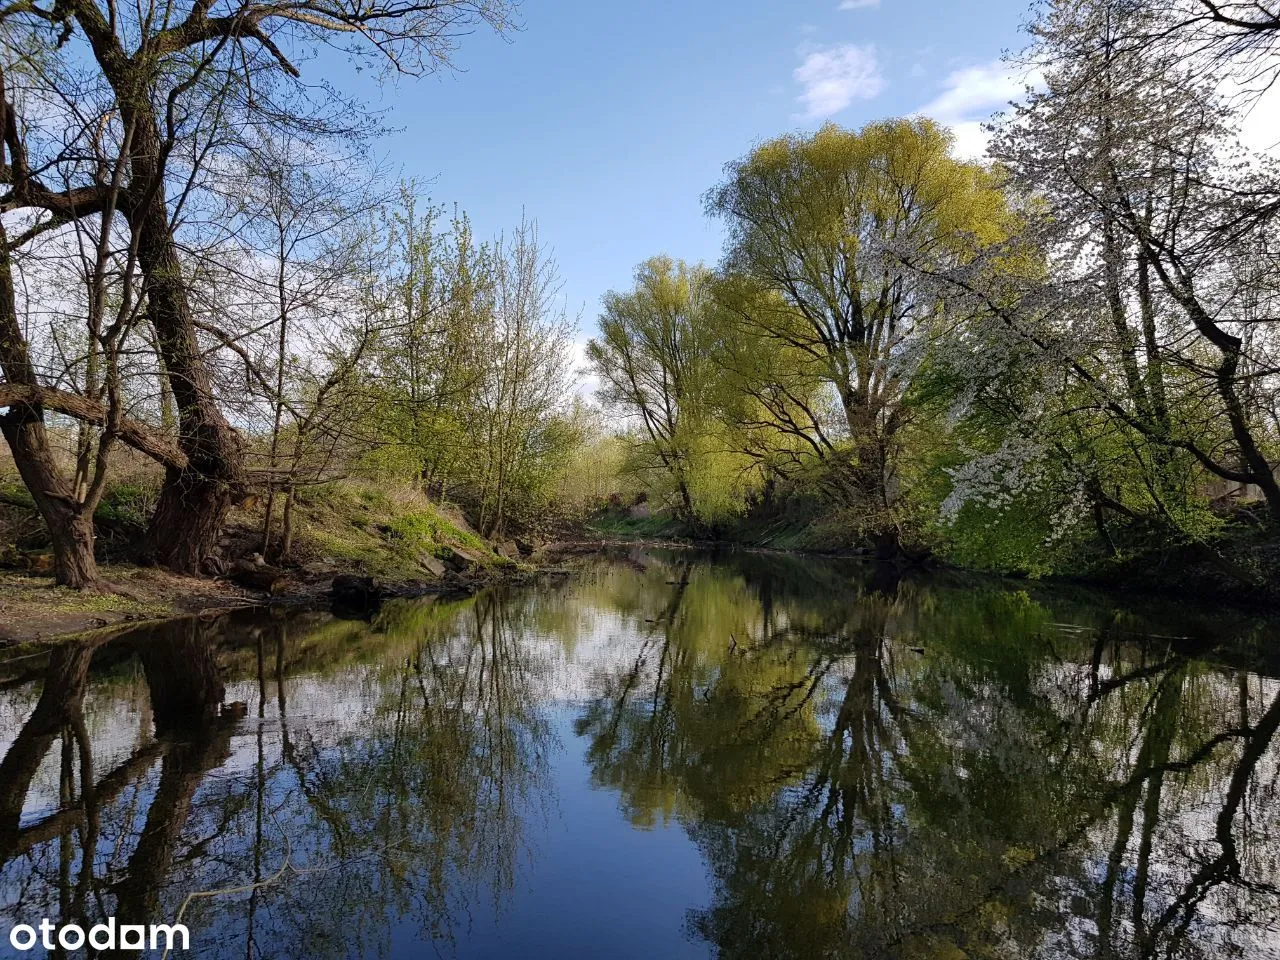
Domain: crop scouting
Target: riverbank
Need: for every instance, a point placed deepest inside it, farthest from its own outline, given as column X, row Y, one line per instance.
column 376, row 541
column 1239, row 568
column 359, row 545
column 33, row 608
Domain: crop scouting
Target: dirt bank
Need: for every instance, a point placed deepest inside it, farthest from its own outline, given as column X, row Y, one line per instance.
column 33, row 608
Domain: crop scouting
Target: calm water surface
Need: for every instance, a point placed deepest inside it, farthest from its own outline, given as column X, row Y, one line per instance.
column 664, row 756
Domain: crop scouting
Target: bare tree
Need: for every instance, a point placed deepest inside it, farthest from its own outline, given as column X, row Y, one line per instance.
column 91, row 264
column 181, row 84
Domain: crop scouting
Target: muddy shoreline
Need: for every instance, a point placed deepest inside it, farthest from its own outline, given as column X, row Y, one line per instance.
column 35, row 611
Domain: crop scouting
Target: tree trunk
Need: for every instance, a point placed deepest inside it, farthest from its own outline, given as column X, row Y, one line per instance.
column 74, row 564
column 193, row 501
column 269, row 514
column 686, row 501
column 23, row 426
column 1255, row 461
column 866, row 475
column 286, row 538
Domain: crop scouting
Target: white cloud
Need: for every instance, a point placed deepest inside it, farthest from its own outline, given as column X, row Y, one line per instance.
column 969, row 97
column 857, row 4
column 834, row 77
column 970, row 140
column 982, row 89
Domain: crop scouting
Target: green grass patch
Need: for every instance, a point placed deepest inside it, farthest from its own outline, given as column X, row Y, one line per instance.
column 382, row 532
column 20, row 589
column 623, row 526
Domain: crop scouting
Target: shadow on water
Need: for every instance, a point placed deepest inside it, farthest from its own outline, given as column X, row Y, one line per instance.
column 669, row 755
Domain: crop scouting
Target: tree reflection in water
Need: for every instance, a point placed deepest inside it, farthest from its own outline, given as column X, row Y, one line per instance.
column 925, row 772
column 405, row 801
column 868, row 768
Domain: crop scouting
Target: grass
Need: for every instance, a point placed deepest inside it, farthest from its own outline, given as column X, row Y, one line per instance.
column 623, row 526
column 19, row 588
column 382, row 532
column 386, row 531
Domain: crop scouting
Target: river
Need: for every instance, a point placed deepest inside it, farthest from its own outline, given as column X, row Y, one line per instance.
column 664, row 755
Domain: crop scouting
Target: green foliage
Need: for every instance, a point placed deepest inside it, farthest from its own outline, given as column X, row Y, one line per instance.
column 655, row 359
column 596, row 471
column 822, row 316
column 385, row 530
column 620, row 525
column 469, row 380
column 128, row 504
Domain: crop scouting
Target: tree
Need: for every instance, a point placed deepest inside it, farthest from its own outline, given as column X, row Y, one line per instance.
column 288, row 296
column 1241, row 35
column 437, row 295
column 815, row 223
column 74, row 368
column 181, row 88
column 522, row 432
column 653, row 358
column 1140, row 350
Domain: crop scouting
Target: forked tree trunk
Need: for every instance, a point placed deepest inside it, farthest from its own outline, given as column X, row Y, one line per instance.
column 866, row 478
column 193, row 501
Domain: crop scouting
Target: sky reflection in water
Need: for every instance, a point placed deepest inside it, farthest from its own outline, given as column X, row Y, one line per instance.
column 666, row 756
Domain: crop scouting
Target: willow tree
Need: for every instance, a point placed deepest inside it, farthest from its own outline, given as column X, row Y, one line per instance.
column 817, row 225
column 653, row 358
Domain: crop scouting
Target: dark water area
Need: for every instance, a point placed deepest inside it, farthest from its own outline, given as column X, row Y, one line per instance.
column 664, row 756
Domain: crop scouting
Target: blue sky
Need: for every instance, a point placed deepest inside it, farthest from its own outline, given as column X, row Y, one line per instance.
column 606, row 120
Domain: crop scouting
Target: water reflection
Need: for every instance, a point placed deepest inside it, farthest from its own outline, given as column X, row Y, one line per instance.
column 669, row 755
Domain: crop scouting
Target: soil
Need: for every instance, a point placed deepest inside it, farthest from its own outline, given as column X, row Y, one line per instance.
column 33, row 608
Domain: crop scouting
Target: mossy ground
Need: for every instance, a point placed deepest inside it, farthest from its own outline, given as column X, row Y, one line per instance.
column 383, row 532
column 34, row 607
